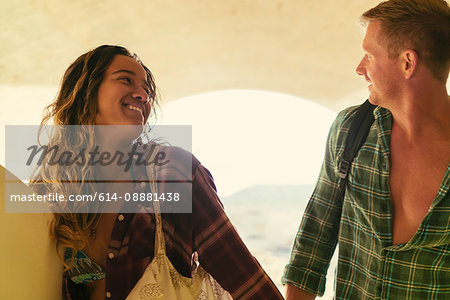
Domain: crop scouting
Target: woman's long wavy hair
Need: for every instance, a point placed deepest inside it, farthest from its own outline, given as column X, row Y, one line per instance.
column 76, row 104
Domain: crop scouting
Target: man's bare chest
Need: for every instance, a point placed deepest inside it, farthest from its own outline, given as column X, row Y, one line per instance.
column 415, row 175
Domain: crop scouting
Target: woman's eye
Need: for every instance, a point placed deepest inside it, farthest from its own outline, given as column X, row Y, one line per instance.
column 128, row 80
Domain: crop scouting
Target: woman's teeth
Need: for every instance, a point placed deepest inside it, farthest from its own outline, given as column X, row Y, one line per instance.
column 131, row 107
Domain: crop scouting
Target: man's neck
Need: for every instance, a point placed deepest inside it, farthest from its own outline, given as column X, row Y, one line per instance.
column 422, row 112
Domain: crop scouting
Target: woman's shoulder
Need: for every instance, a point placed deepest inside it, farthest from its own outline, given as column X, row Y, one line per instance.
column 169, row 157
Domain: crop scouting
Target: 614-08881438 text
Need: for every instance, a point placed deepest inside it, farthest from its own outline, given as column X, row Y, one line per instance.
column 102, row 197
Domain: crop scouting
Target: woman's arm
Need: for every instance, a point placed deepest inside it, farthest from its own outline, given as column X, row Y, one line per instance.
column 221, row 251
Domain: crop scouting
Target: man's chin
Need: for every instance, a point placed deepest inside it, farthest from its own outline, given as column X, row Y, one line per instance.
column 373, row 99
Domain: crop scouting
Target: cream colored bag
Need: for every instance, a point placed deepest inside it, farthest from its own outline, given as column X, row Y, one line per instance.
column 162, row 281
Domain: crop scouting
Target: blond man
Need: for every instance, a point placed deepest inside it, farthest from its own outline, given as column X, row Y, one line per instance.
column 393, row 226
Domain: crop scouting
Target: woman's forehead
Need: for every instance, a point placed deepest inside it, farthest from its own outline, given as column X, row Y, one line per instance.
column 126, row 63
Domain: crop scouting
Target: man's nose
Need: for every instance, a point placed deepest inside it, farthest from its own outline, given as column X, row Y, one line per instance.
column 360, row 69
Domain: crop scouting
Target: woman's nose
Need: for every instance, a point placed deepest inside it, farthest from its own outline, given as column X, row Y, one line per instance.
column 140, row 94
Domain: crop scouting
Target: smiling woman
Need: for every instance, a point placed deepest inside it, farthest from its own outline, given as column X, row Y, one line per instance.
column 124, row 95
column 116, row 255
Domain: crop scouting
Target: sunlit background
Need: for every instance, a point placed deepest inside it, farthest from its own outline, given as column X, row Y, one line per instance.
column 248, row 137
column 264, row 150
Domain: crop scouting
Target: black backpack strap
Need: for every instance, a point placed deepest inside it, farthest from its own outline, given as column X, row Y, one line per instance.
column 357, row 134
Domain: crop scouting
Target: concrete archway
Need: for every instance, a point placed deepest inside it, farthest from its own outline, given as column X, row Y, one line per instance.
column 304, row 48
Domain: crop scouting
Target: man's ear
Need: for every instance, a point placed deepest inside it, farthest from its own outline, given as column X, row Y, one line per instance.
column 409, row 60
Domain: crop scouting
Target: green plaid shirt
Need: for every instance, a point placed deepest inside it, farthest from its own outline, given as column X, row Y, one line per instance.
column 369, row 266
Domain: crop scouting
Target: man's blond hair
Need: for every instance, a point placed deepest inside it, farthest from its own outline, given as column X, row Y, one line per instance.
column 420, row 25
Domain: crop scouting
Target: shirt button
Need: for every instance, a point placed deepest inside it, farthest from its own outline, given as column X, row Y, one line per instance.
column 111, row 255
column 108, row 295
column 120, row 217
column 142, row 184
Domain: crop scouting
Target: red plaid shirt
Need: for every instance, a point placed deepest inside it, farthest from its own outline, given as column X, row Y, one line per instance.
column 207, row 230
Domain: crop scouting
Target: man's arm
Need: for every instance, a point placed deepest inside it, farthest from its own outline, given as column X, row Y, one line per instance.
column 318, row 233
column 294, row 293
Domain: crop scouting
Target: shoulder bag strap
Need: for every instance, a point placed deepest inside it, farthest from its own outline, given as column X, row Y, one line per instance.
column 160, row 246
